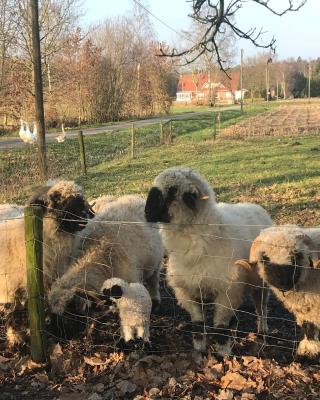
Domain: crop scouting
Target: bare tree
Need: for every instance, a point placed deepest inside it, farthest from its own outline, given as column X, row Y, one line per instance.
column 217, row 16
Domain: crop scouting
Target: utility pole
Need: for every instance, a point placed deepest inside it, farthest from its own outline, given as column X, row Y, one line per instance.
column 309, row 82
column 38, row 89
column 241, row 79
column 267, row 78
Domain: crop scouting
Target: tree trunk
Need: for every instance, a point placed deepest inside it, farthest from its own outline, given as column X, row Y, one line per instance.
column 38, row 89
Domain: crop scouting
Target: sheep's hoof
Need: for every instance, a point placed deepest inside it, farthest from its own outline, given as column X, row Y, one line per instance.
column 308, row 349
column 156, row 306
column 199, row 342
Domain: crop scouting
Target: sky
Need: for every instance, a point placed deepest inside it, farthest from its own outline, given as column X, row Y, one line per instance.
column 297, row 33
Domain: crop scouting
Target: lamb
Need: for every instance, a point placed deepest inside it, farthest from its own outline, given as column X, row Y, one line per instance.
column 116, row 243
column 286, row 258
column 134, row 304
column 203, row 239
column 65, row 212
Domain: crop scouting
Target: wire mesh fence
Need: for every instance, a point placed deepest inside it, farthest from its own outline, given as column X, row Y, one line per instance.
column 86, row 313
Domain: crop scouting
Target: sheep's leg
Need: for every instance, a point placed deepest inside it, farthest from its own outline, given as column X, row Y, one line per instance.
column 128, row 333
column 224, row 318
column 193, row 307
column 143, row 333
column 309, row 346
column 152, row 284
column 260, row 298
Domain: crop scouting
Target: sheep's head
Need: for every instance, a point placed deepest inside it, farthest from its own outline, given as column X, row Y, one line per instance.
column 65, row 203
column 177, row 196
column 112, row 290
column 282, row 257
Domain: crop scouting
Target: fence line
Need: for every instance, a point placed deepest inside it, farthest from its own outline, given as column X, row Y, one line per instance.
column 287, row 342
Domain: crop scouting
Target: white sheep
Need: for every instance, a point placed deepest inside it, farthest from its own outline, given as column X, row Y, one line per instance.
column 286, row 258
column 116, row 243
column 65, row 213
column 203, row 239
column 134, row 304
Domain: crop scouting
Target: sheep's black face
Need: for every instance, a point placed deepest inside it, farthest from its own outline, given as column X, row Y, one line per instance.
column 73, row 213
column 157, row 205
column 283, row 276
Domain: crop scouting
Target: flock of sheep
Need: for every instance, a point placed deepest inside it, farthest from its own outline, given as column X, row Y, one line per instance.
column 111, row 253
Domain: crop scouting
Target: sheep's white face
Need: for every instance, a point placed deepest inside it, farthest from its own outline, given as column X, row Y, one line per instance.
column 177, row 197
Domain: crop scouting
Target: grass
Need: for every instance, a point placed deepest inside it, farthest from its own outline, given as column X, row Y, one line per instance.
column 276, row 173
column 279, row 173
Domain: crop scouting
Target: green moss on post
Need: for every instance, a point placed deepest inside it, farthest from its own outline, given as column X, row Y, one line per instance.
column 33, row 217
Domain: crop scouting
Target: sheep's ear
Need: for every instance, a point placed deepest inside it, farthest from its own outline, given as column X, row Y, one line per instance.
column 246, row 265
column 190, row 199
column 39, row 198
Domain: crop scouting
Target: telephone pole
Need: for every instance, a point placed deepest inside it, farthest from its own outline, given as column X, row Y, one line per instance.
column 38, row 89
column 241, row 79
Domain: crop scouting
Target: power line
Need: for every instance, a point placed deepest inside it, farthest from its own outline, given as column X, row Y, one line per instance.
column 164, row 23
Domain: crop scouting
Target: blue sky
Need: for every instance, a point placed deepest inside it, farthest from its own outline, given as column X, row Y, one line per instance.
column 297, row 34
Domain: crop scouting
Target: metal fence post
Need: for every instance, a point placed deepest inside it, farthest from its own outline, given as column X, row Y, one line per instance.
column 33, row 219
column 82, row 152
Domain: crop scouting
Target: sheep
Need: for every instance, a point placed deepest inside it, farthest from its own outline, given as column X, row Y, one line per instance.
column 286, row 258
column 203, row 239
column 134, row 305
column 65, row 213
column 116, row 243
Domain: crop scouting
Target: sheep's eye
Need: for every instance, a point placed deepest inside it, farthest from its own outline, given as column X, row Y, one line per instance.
column 172, row 191
column 265, row 258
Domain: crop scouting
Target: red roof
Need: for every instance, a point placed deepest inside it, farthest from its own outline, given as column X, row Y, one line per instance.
column 196, row 81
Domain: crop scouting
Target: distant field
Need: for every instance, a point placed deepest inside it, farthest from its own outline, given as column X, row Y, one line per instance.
column 281, row 173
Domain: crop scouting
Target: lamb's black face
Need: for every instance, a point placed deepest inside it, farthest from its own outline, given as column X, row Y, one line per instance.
column 158, row 203
column 283, row 276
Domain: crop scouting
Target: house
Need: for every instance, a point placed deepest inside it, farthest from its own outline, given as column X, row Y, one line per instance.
column 200, row 89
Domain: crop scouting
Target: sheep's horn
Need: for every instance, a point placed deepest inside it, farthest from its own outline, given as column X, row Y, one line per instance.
column 204, row 197
column 315, row 264
column 244, row 264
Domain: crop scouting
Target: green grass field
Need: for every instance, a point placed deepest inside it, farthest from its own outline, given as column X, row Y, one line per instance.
column 280, row 173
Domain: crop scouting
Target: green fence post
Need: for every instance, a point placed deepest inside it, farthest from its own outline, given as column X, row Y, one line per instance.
column 33, row 219
column 82, row 152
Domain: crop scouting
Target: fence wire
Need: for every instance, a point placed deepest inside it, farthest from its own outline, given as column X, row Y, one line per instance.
column 170, row 325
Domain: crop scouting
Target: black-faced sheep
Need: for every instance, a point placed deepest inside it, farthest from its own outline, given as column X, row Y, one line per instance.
column 286, row 258
column 65, row 212
column 134, row 305
column 203, row 239
column 116, row 243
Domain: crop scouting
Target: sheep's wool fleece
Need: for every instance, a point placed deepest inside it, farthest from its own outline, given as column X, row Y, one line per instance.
column 279, row 243
column 134, row 305
column 203, row 245
column 142, row 243
column 56, row 249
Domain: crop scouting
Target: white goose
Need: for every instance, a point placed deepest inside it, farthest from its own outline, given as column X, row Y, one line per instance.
column 25, row 134
column 61, row 138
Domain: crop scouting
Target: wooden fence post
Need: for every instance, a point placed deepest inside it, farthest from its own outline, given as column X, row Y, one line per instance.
column 82, row 152
column 214, row 126
column 161, row 132
column 33, row 219
column 170, row 135
column 133, row 138
column 219, row 121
